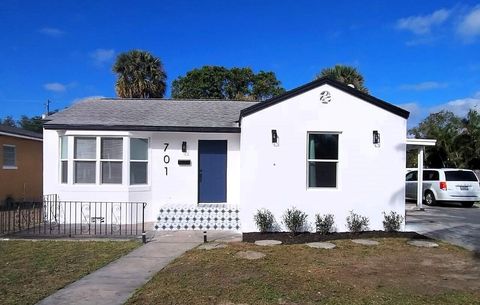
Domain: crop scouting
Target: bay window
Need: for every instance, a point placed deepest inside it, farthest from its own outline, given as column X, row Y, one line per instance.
column 322, row 159
column 103, row 160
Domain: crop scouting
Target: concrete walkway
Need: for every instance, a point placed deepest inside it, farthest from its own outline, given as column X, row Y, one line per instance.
column 116, row 282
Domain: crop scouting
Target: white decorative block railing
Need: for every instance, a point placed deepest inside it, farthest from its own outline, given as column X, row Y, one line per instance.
column 199, row 217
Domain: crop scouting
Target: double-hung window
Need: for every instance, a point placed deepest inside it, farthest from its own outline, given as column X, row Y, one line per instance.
column 138, row 161
column 64, row 159
column 85, row 161
column 111, row 160
column 322, row 160
column 9, row 157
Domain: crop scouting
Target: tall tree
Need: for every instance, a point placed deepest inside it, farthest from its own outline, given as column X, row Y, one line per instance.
column 445, row 127
column 34, row 123
column 216, row 82
column 139, row 75
column 266, row 85
column 345, row 74
column 8, row 121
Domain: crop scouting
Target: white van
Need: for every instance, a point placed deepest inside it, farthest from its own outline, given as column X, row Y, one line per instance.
column 448, row 184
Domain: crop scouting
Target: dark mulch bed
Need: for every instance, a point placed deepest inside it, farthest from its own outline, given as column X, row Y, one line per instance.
column 307, row 237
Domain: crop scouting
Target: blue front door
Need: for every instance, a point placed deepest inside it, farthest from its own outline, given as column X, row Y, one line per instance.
column 212, row 171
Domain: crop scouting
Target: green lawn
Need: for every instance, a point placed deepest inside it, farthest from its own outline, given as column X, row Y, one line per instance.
column 32, row 270
column 391, row 273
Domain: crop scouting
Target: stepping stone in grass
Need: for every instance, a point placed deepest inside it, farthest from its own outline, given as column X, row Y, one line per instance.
column 422, row 243
column 267, row 242
column 321, row 245
column 211, row 246
column 366, row 242
column 250, row 255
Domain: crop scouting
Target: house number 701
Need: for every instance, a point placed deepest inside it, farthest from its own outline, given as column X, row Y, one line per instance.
column 166, row 159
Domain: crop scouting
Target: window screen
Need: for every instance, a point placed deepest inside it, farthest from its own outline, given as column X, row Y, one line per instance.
column 112, row 150
column 85, row 171
column 322, row 160
column 64, row 159
column 85, row 148
column 9, row 156
column 138, row 161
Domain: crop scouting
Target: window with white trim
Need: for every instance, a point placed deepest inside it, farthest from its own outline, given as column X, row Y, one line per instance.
column 64, row 159
column 9, row 156
column 84, row 159
column 111, row 160
column 138, row 161
column 322, row 160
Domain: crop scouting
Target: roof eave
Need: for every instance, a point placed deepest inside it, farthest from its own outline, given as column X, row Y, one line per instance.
column 143, row 128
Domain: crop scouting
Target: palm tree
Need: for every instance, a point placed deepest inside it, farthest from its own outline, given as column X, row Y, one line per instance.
column 345, row 74
column 139, row 75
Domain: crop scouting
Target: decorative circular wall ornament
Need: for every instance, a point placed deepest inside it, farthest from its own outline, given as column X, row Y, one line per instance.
column 325, row 97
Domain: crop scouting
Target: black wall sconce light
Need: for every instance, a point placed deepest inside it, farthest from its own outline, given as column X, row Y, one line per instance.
column 376, row 137
column 274, row 136
column 184, row 146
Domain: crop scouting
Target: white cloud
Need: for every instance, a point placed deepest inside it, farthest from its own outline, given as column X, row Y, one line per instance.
column 469, row 26
column 81, row 99
column 421, row 25
column 416, row 113
column 52, row 32
column 460, row 106
column 55, row 87
column 102, row 56
column 423, row 86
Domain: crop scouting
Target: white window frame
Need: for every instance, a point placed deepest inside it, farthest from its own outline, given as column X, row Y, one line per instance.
column 99, row 140
column 62, row 138
column 336, row 161
column 14, row 157
column 98, row 160
column 147, row 161
column 97, row 150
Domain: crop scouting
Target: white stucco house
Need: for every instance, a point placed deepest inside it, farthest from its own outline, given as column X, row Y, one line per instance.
column 323, row 147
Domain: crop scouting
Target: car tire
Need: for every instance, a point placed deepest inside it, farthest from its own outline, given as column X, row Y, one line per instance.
column 467, row 204
column 429, row 198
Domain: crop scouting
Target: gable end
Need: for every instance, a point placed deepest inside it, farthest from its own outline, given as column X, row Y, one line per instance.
column 317, row 83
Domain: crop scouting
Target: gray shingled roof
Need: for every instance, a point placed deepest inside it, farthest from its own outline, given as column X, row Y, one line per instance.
column 20, row 132
column 149, row 113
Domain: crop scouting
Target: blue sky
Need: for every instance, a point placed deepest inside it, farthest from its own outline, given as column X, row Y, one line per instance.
column 421, row 55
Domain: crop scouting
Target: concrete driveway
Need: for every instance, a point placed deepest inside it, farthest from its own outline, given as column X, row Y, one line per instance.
column 449, row 222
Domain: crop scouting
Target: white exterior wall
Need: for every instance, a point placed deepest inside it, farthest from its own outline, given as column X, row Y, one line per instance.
column 178, row 188
column 370, row 179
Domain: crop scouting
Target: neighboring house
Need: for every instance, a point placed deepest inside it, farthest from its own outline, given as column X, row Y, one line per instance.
column 323, row 147
column 21, row 165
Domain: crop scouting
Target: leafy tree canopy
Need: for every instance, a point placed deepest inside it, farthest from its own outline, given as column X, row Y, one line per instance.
column 216, row 82
column 34, row 123
column 139, row 75
column 458, row 139
column 345, row 74
column 8, row 121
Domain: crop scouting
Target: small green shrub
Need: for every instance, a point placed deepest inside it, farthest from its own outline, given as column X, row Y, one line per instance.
column 264, row 220
column 392, row 222
column 357, row 223
column 324, row 223
column 295, row 220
